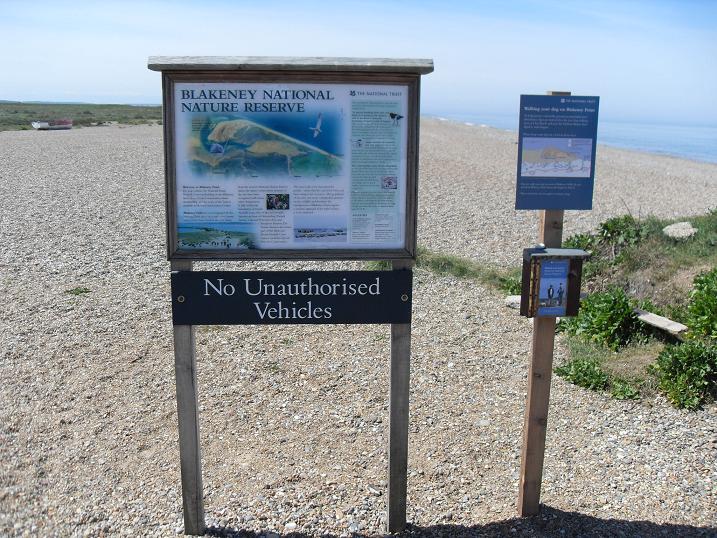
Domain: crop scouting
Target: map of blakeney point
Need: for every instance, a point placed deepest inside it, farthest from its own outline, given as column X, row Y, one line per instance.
column 243, row 148
column 556, row 157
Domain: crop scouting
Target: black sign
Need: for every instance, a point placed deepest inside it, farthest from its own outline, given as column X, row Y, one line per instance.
column 290, row 297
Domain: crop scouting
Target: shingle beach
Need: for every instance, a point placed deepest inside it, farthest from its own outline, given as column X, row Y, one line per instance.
column 294, row 419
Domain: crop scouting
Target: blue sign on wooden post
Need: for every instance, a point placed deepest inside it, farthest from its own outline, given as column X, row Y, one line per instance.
column 557, row 137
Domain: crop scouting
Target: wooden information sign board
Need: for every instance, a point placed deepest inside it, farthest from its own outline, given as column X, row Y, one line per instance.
column 555, row 120
column 289, row 159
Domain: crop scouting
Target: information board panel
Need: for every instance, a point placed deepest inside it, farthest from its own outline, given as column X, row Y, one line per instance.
column 290, row 297
column 557, row 137
column 301, row 167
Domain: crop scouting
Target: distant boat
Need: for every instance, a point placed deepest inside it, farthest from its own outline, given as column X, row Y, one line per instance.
column 52, row 125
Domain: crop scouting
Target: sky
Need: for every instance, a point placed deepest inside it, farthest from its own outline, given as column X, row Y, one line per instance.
column 651, row 61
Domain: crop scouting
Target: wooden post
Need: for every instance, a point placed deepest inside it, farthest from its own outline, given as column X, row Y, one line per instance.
column 398, row 425
column 550, row 233
column 539, row 375
column 190, row 455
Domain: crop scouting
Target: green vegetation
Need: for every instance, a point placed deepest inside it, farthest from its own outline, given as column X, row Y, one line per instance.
column 687, row 373
column 621, row 389
column 377, row 265
column 19, row 116
column 584, row 372
column 622, row 374
column 447, row 264
column 621, row 232
column 581, row 241
column 607, row 318
column 640, row 257
column 635, row 265
column 701, row 314
column 78, row 291
column 511, row 282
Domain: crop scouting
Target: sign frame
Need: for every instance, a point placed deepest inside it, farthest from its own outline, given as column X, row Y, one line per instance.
column 534, row 260
column 283, row 73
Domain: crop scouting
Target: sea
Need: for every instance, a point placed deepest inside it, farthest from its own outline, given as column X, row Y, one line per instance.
column 694, row 142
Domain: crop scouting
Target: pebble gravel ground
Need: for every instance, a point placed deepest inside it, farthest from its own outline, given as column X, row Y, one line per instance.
column 294, row 418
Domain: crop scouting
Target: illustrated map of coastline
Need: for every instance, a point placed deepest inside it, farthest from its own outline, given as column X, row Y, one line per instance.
column 556, row 157
column 240, row 147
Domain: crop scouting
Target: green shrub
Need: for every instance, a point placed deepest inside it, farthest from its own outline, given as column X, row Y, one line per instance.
column 702, row 308
column 687, row 373
column 606, row 318
column 621, row 389
column 510, row 284
column 581, row 241
column 584, row 372
column 622, row 231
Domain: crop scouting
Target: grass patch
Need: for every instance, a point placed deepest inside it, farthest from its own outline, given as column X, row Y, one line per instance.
column 18, row 116
column 622, row 232
column 676, row 253
column 636, row 254
column 507, row 280
column 581, row 241
column 78, row 291
column 511, row 282
column 630, row 364
column 608, row 353
column 622, row 374
column 377, row 265
column 649, row 263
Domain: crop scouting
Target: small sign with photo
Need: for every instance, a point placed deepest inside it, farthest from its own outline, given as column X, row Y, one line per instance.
column 552, row 296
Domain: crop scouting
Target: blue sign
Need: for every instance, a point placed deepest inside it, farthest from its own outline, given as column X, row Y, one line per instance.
column 557, row 136
column 553, row 292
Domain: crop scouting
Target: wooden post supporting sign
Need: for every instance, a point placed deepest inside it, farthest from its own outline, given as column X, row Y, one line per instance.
column 398, row 425
column 539, row 375
column 190, row 455
column 550, row 234
column 251, row 145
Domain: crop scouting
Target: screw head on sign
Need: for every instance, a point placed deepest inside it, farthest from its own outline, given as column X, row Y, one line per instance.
column 404, row 297
column 180, row 299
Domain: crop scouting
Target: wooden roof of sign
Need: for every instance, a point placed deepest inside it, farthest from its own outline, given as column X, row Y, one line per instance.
column 281, row 63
